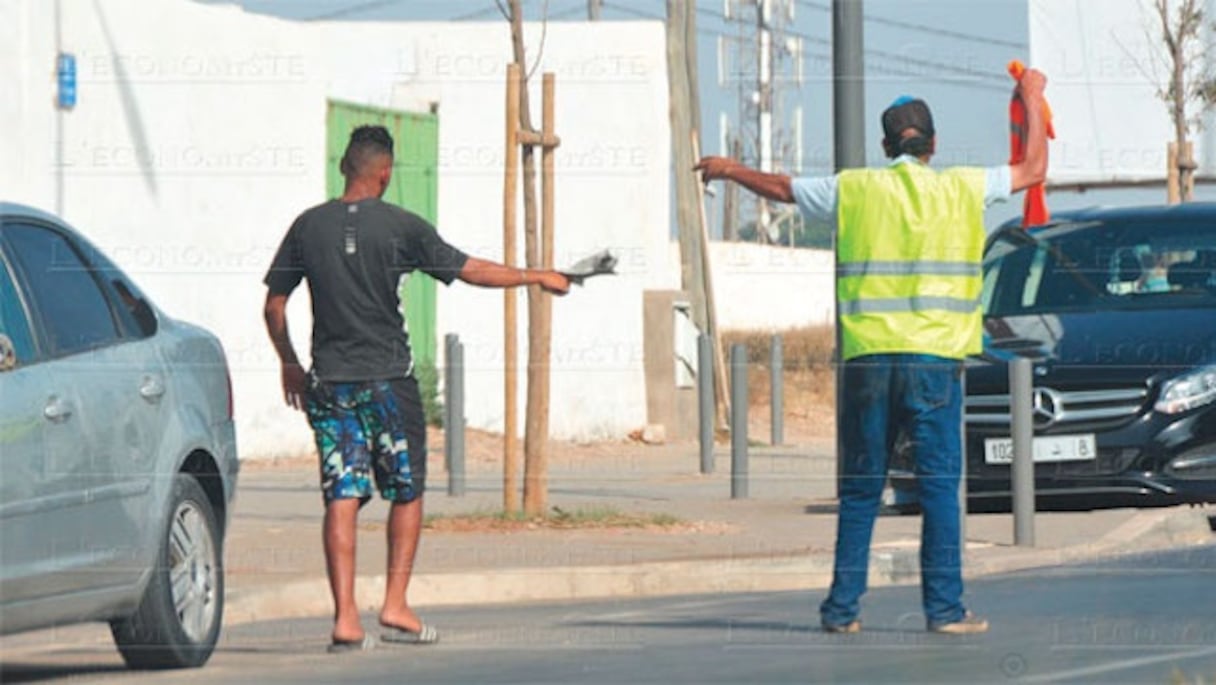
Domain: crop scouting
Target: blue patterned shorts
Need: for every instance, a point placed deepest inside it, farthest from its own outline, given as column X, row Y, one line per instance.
column 366, row 430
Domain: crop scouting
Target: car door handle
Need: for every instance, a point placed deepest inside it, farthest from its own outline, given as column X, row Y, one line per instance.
column 57, row 409
column 152, row 388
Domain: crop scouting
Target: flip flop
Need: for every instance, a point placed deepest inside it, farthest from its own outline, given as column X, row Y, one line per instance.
column 346, row 646
column 426, row 635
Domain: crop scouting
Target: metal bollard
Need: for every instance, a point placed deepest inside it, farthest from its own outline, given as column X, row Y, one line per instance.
column 454, row 410
column 1022, row 469
column 449, row 382
column 705, row 401
column 776, row 384
column 738, row 422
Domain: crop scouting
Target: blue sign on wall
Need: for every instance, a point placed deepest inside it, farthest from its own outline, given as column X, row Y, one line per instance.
column 65, row 70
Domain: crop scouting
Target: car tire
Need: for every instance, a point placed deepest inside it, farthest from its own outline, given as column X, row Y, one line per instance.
column 178, row 620
column 900, row 501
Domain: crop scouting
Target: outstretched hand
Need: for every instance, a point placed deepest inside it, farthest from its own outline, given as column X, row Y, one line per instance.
column 713, row 168
column 554, row 283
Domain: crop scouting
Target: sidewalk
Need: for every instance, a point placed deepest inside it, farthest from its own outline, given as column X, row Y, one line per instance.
column 780, row 538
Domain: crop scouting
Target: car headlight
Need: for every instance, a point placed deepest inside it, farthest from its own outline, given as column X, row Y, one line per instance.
column 1193, row 389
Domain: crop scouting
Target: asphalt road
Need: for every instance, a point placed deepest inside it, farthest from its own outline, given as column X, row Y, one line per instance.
column 1145, row 619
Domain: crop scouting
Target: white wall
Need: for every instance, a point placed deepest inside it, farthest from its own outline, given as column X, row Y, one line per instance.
column 1104, row 63
column 200, row 134
column 612, row 191
column 765, row 287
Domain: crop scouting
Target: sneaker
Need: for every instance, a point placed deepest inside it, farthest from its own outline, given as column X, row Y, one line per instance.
column 853, row 626
column 969, row 624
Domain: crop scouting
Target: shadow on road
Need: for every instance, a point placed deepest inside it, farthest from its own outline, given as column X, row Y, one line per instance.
column 29, row 672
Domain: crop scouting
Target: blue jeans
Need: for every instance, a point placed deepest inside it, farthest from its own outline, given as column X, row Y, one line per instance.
column 884, row 394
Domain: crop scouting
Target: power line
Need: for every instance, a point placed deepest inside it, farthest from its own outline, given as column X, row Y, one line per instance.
column 559, row 14
column 963, row 71
column 634, row 12
column 647, row 15
column 478, row 14
column 908, row 59
column 924, row 28
column 347, row 11
column 977, row 78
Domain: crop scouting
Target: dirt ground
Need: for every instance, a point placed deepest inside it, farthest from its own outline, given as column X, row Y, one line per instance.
column 809, row 416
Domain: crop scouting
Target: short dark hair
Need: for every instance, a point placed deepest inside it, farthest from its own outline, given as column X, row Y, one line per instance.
column 366, row 142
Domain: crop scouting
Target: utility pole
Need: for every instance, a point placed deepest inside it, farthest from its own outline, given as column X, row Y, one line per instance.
column 594, row 7
column 764, row 64
column 848, row 85
column 685, row 119
column 687, row 194
column 765, row 107
column 848, row 109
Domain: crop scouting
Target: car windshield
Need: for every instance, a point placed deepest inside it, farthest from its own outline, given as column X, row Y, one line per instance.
column 1100, row 266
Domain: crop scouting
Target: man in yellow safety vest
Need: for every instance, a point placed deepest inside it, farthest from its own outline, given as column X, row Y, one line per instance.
column 909, row 242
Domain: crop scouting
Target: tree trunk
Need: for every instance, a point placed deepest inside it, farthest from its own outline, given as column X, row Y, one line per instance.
column 1185, row 164
column 536, row 421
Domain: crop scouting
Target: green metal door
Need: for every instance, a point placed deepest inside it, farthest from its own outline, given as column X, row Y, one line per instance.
column 414, row 187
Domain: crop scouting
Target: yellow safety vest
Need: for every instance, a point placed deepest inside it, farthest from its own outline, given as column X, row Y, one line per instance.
column 908, row 251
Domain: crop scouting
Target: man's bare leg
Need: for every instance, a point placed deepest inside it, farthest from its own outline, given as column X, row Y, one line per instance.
column 404, row 526
column 339, row 538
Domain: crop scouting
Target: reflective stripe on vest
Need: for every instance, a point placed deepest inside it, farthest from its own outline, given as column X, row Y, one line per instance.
column 908, row 270
column 908, row 304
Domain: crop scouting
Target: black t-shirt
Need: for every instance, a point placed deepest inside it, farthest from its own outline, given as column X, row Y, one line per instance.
column 354, row 256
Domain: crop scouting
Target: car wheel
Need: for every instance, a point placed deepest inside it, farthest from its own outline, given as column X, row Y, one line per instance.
column 178, row 620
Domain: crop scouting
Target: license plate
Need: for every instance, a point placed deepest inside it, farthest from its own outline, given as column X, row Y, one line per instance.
column 1045, row 449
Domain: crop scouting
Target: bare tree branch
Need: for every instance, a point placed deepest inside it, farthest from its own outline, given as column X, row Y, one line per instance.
column 1167, row 35
column 1189, row 90
column 544, row 32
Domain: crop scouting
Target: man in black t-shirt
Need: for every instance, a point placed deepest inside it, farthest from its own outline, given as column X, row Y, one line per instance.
column 360, row 396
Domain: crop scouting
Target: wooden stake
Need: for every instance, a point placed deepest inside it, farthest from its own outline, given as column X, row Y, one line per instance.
column 1187, row 182
column 711, row 315
column 536, row 437
column 1173, row 192
column 510, row 445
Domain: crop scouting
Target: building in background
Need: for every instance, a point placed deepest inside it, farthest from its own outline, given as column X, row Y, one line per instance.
column 1105, row 61
column 199, row 132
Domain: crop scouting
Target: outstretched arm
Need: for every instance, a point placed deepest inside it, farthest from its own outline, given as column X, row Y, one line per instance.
column 489, row 274
column 772, row 186
column 290, row 371
column 1032, row 170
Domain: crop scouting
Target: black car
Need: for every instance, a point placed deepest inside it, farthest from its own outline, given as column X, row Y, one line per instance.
column 1117, row 310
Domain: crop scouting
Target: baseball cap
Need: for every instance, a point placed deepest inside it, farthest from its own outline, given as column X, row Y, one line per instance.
column 906, row 112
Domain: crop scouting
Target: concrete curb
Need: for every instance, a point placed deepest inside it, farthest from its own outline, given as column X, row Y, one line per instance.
column 895, row 563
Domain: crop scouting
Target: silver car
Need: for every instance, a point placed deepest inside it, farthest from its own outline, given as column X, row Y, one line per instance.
column 117, row 452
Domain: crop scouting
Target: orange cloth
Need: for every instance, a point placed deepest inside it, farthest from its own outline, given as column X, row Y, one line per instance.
column 1034, row 206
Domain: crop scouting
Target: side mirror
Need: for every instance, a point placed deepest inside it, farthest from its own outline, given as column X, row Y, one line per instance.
column 8, row 354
